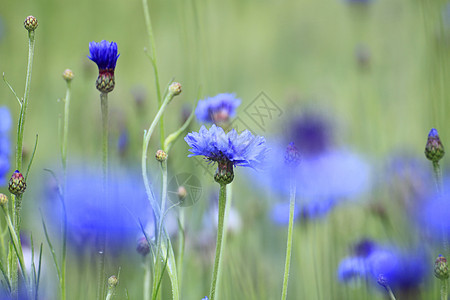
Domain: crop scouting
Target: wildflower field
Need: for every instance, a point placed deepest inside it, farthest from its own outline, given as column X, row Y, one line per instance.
column 224, row 149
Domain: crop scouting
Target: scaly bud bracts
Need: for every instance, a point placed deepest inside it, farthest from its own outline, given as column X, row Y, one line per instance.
column 17, row 184
column 105, row 81
column 441, row 267
column 68, row 75
column 434, row 150
column 175, row 88
column 3, row 199
column 161, row 155
column 224, row 173
column 30, row 23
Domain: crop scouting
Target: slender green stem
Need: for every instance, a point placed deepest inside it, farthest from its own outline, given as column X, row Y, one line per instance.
column 437, row 176
column 391, row 294
column 148, row 23
column 62, row 280
column 181, row 246
column 147, row 279
column 218, row 256
column 102, row 237
column 23, row 111
column 289, row 241
column 444, row 289
column 225, row 226
column 17, row 245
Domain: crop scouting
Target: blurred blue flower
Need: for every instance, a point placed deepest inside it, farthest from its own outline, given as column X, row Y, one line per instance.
column 90, row 213
column 123, row 142
column 310, row 132
column 402, row 269
column 334, row 174
column 5, row 143
column 218, row 109
column 242, row 149
column 433, row 214
column 104, row 54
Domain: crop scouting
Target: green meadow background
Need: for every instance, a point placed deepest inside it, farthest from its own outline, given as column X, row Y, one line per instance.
column 300, row 53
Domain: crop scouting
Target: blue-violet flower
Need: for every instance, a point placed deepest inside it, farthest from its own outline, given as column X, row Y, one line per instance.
column 227, row 149
column 218, row 109
column 104, row 54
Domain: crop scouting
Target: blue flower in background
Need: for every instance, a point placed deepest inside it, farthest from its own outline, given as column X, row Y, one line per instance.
column 218, row 109
column 104, row 54
column 280, row 213
column 90, row 214
column 5, row 143
column 242, row 149
column 403, row 270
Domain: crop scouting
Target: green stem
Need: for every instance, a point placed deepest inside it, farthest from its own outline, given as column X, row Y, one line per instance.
column 17, row 245
column 444, row 289
column 147, row 279
column 62, row 280
column 218, row 256
column 181, row 246
column 437, row 176
column 148, row 23
column 23, row 110
column 225, row 226
column 391, row 294
column 102, row 238
column 289, row 241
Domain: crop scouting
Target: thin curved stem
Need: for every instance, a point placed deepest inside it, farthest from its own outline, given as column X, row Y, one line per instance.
column 218, row 256
column 289, row 240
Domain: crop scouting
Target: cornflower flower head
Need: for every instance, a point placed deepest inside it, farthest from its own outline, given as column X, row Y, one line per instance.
column 104, row 54
column 5, row 126
column 401, row 270
column 90, row 213
column 218, row 109
column 227, row 149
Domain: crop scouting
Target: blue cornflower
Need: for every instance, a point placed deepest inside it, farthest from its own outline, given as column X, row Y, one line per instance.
column 402, row 270
column 218, row 109
column 5, row 126
column 104, row 54
column 90, row 214
column 227, row 149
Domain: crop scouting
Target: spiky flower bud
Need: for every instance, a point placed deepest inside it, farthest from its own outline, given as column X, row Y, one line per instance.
column 30, row 23
column 175, row 88
column 161, row 155
column 143, row 248
column 105, row 55
column 224, row 173
column 17, row 184
column 382, row 280
column 292, row 156
column 113, row 281
column 68, row 75
column 3, row 199
column 441, row 267
column 434, row 150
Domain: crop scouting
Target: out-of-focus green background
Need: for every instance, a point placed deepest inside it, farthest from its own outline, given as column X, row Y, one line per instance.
column 379, row 68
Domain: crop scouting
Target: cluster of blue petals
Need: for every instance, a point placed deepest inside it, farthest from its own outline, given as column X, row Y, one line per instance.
column 208, row 108
column 90, row 213
column 241, row 149
column 403, row 270
column 5, row 143
column 104, row 54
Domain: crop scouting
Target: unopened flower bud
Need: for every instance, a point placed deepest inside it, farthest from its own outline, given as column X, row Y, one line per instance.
column 292, row 156
column 68, row 75
column 182, row 193
column 224, row 173
column 3, row 199
column 17, row 184
column 441, row 267
column 30, row 23
column 113, row 281
column 175, row 88
column 143, row 248
column 161, row 155
column 434, row 150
